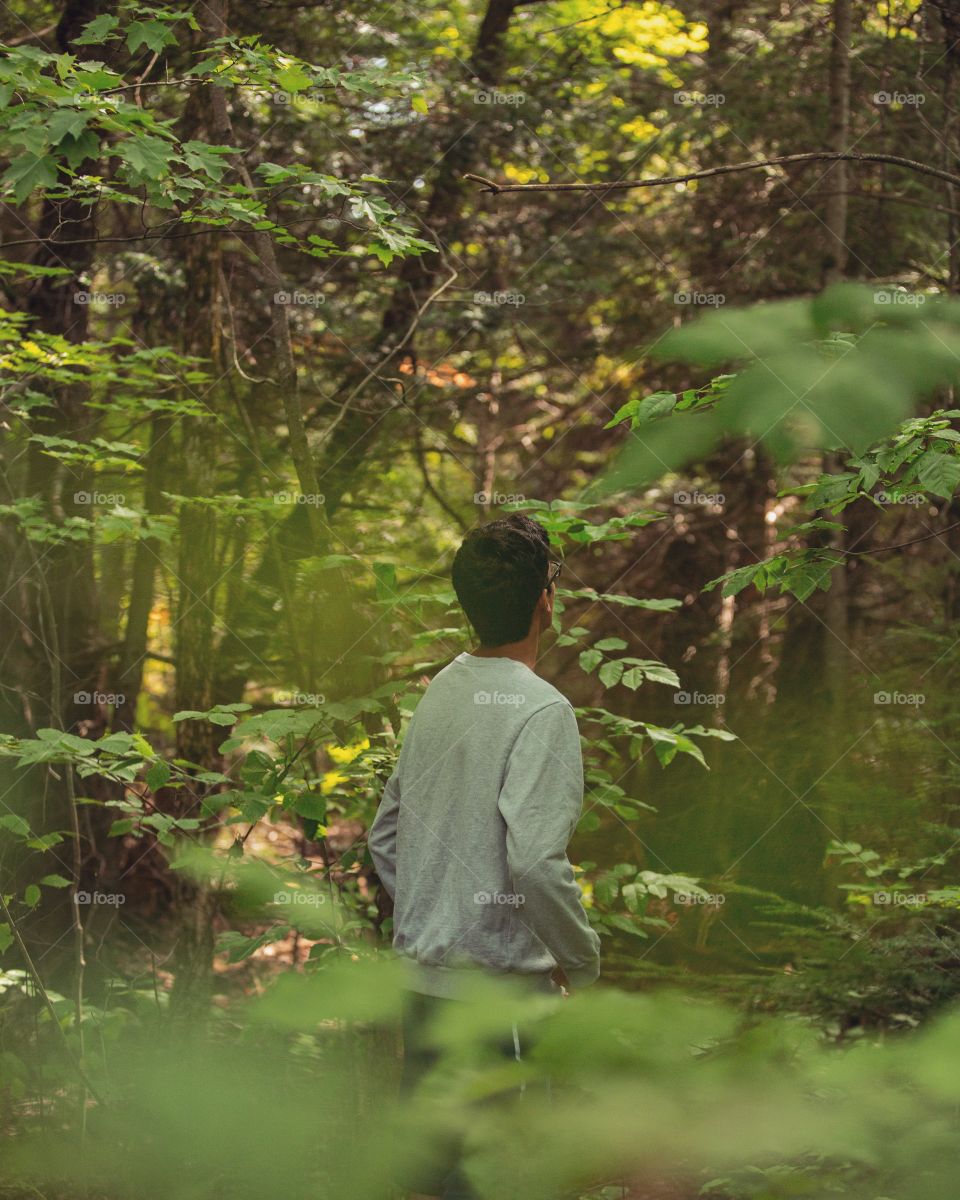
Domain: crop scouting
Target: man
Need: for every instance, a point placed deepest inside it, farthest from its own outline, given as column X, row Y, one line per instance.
column 470, row 838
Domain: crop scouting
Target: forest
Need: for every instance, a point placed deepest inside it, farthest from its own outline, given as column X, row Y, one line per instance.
column 294, row 295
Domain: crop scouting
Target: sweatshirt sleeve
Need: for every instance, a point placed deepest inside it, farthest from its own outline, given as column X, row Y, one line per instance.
column 540, row 801
column 382, row 838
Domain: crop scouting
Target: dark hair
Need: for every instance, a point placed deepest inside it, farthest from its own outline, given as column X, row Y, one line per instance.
column 498, row 575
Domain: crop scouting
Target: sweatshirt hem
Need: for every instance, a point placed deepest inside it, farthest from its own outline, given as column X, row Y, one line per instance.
column 449, row 982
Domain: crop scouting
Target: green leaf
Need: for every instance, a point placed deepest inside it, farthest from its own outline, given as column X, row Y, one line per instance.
column 939, row 473
column 117, row 743
column 727, row 335
column 220, row 714
column 293, row 78
column 47, row 842
column 735, row 581
column 869, row 474
column 656, row 405
column 589, row 659
column 238, row 946
column 95, row 77
column 419, row 104
column 638, row 411
column 623, row 413
column 205, row 159
column 155, row 35
column 311, row 806
column 620, row 598
column 612, row 643
column 610, row 672
column 56, row 881
column 656, row 672
column 6, row 937
column 100, row 29
column 606, row 889
column 77, row 149
column 15, row 824
column 146, row 156
column 383, row 252
column 31, row 895
column 65, row 122
column 619, row 921
column 28, row 172
column 158, row 774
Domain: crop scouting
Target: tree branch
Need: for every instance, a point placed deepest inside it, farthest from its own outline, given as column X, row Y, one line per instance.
column 900, row 545
column 622, row 185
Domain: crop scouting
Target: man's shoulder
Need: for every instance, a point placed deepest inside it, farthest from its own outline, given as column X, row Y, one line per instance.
column 510, row 683
column 544, row 695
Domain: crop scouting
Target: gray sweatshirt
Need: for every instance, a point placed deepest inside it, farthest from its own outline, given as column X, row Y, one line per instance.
column 471, row 834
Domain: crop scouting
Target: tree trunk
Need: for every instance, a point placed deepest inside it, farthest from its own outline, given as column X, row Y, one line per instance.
column 58, row 620
column 836, row 608
column 145, row 557
column 838, row 138
column 197, row 571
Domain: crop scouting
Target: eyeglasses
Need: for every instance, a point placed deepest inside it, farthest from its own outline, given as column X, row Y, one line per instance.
column 555, row 574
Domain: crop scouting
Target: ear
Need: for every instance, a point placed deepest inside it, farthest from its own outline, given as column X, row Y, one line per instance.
column 545, row 606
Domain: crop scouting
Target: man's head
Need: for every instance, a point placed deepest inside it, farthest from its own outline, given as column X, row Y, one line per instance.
column 500, row 575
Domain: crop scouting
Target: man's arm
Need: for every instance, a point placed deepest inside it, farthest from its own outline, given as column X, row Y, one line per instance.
column 382, row 838
column 540, row 802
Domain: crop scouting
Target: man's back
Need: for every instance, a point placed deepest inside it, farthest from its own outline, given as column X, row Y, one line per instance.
column 471, row 835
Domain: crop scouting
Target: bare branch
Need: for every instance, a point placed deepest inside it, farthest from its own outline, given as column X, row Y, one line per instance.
column 623, row 185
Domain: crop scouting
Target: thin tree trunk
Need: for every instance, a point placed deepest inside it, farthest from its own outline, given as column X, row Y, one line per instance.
column 197, row 571
column 837, row 601
column 60, row 615
column 145, row 559
column 284, row 385
column 838, row 138
column 949, row 11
